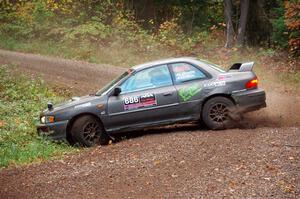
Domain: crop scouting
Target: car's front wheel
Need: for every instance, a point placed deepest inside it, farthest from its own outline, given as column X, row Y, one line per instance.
column 88, row 131
column 217, row 113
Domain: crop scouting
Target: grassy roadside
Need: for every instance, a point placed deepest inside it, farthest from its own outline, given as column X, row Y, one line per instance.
column 269, row 64
column 116, row 53
column 20, row 101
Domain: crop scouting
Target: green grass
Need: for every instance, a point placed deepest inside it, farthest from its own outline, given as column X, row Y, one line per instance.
column 21, row 100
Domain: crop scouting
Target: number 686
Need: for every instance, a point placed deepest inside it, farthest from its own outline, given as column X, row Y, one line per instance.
column 131, row 100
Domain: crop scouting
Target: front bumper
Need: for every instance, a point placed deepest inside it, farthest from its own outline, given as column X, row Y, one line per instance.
column 55, row 131
column 250, row 100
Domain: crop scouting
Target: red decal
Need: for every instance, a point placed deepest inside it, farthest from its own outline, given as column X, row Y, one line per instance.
column 181, row 68
column 221, row 77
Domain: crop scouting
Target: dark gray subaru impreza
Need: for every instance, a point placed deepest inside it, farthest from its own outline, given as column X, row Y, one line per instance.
column 153, row 94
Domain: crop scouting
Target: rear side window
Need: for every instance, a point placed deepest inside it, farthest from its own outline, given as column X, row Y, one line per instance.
column 184, row 72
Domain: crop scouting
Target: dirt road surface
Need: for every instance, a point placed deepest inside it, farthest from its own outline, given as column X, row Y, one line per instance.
column 260, row 159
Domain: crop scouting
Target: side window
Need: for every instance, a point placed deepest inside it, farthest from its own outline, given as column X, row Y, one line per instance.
column 185, row 72
column 149, row 78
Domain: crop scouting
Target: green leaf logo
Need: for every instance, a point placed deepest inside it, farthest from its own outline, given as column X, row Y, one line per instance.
column 187, row 93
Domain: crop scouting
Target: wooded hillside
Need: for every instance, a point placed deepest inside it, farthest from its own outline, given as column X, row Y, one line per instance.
column 182, row 24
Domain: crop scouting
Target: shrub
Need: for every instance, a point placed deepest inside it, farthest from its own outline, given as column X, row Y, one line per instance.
column 21, row 100
column 91, row 31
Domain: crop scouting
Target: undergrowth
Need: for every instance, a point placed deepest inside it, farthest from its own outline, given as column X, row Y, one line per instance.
column 20, row 101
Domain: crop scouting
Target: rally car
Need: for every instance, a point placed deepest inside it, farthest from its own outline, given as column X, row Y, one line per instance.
column 153, row 94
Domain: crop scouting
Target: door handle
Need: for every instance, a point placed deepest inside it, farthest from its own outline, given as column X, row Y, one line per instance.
column 167, row 94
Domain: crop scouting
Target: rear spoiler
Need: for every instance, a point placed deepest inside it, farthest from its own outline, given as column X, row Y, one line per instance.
column 242, row 67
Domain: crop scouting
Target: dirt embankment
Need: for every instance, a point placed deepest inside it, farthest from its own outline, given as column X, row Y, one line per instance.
column 258, row 160
column 78, row 76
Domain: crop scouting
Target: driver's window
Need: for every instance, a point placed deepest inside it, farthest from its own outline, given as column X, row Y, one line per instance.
column 149, row 78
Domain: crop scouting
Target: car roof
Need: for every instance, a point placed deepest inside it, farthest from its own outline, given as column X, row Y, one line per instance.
column 163, row 61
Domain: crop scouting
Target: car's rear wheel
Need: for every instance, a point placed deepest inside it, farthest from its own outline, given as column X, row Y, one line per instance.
column 88, row 131
column 217, row 113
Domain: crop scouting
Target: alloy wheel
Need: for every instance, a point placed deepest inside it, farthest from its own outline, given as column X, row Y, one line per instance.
column 91, row 132
column 219, row 113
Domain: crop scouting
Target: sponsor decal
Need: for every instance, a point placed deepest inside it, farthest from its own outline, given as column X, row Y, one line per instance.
column 136, row 102
column 83, row 105
column 181, row 68
column 224, row 77
column 185, row 75
column 215, row 84
column 183, row 72
column 187, row 93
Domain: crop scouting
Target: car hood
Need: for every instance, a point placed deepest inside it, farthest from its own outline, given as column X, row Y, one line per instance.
column 74, row 101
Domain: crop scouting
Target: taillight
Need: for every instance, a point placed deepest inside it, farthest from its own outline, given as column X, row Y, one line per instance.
column 252, row 83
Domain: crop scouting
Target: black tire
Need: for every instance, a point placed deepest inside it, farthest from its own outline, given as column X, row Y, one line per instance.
column 217, row 112
column 88, row 131
column 71, row 139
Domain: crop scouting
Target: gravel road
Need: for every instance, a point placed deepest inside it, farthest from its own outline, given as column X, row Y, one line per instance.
column 260, row 159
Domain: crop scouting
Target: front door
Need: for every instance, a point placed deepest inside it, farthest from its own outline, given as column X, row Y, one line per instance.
column 147, row 97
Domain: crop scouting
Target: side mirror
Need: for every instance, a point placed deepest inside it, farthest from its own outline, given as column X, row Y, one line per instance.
column 117, row 91
column 50, row 106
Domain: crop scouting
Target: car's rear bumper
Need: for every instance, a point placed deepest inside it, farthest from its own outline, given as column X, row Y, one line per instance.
column 250, row 100
column 55, row 131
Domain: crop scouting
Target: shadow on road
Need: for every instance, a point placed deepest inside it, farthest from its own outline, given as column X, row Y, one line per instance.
column 176, row 128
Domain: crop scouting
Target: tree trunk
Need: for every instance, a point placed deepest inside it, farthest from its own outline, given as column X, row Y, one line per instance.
column 144, row 12
column 229, row 26
column 192, row 20
column 259, row 26
column 243, row 22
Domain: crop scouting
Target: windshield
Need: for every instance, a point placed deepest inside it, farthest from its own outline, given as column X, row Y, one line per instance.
column 212, row 65
column 111, row 84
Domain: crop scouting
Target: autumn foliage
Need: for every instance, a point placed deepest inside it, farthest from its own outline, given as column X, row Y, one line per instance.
column 292, row 20
column 180, row 24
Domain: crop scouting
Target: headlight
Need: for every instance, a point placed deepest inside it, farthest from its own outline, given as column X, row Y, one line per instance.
column 43, row 119
column 47, row 119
